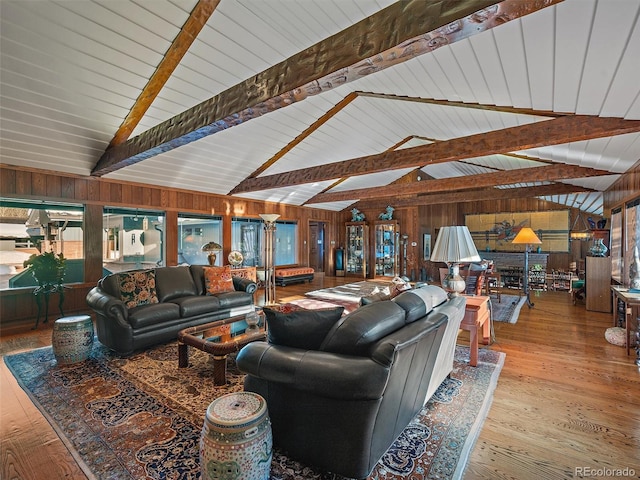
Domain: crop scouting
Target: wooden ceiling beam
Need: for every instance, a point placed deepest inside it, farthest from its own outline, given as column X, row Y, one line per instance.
column 391, row 36
column 179, row 47
column 478, row 106
column 508, row 177
column 306, row 133
column 476, row 196
column 539, row 134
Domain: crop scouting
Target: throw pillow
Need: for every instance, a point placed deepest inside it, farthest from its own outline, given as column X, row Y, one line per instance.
column 218, row 280
column 293, row 326
column 138, row 288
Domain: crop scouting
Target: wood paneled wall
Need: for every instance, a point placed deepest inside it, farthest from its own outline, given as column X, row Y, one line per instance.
column 96, row 193
column 626, row 188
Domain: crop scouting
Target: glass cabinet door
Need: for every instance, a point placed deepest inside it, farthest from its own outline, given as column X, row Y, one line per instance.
column 357, row 248
column 387, row 236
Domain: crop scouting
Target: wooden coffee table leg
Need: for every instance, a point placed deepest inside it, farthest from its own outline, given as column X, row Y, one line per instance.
column 183, row 355
column 219, row 369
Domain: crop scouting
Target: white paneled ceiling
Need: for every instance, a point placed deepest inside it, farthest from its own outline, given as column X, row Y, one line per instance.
column 71, row 71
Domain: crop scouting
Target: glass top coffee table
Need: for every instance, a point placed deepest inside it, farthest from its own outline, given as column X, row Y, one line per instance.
column 219, row 338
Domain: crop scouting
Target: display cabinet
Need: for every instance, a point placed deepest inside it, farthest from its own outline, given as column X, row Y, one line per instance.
column 598, row 284
column 387, row 243
column 356, row 249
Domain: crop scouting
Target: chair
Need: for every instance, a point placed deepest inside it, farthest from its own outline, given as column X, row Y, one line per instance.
column 474, row 280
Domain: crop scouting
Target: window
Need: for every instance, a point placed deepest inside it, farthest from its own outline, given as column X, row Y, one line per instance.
column 247, row 236
column 193, row 233
column 632, row 238
column 28, row 228
column 616, row 245
column 132, row 239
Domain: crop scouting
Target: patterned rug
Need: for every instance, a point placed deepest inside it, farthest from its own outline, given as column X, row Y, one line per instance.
column 508, row 309
column 351, row 292
column 141, row 417
column 312, row 303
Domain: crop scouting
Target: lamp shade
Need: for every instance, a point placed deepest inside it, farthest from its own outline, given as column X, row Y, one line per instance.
column 211, row 247
column 526, row 235
column 269, row 217
column 454, row 245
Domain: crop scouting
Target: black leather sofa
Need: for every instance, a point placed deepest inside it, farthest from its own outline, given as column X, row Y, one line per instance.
column 182, row 303
column 340, row 407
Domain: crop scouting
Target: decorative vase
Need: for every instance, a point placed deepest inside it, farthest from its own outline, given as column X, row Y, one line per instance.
column 599, row 249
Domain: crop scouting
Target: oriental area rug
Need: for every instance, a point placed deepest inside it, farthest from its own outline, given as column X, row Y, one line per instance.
column 141, row 417
column 508, row 309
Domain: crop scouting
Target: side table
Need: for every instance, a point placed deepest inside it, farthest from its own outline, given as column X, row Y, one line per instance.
column 630, row 321
column 477, row 315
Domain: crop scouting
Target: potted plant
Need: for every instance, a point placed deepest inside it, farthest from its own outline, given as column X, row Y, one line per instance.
column 47, row 268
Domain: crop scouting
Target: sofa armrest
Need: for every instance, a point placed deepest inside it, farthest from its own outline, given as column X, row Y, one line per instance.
column 244, row 285
column 324, row 374
column 108, row 305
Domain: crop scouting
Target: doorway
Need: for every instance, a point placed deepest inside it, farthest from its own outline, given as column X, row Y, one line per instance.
column 316, row 246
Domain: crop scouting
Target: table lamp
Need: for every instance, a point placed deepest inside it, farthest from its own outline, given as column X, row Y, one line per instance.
column 526, row 236
column 454, row 246
column 212, row 248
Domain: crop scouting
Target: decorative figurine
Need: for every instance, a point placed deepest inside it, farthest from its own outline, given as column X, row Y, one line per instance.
column 357, row 215
column 388, row 215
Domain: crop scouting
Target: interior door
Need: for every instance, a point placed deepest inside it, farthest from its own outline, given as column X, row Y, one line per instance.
column 316, row 246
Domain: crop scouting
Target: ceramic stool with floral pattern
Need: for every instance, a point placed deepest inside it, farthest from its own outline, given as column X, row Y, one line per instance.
column 236, row 439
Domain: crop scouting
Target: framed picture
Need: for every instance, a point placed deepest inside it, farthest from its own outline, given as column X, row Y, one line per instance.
column 426, row 242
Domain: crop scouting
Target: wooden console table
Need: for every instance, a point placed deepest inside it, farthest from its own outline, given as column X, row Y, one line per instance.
column 630, row 321
column 476, row 316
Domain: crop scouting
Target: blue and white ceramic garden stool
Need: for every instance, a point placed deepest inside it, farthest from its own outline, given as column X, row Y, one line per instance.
column 72, row 339
column 236, row 441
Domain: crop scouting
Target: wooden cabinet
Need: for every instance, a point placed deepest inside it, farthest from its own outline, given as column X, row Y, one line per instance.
column 598, row 284
column 357, row 249
column 387, row 240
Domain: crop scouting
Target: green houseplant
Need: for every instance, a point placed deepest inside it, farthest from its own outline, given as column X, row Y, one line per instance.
column 47, row 268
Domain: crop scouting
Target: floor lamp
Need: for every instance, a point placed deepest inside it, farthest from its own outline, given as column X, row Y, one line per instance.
column 526, row 236
column 269, row 269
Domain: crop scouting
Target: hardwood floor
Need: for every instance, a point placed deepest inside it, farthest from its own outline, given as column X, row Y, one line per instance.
column 566, row 400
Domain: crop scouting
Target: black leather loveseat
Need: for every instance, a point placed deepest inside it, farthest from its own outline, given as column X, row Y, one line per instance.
column 340, row 404
column 180, row 301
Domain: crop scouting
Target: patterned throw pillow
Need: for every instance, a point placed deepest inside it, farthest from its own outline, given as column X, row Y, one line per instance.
column 138, row 288
column 218, row 280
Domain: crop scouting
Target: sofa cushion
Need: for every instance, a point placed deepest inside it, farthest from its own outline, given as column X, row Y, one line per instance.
column 174, row 282
column 218, row 280
column 375, row 297
column 197, row 272
column 137, row 288
column 298, row 327
column 234, row 299
column 356, row 332
column 146, row 315
column 193, row 305
column 420, row 301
